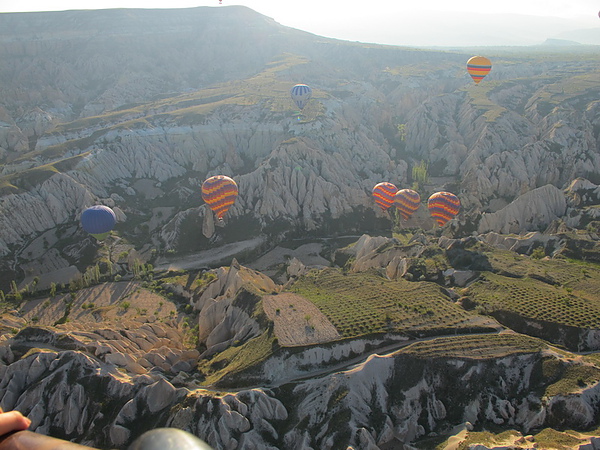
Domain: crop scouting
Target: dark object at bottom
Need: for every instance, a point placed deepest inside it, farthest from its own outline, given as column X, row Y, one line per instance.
column 168, row 439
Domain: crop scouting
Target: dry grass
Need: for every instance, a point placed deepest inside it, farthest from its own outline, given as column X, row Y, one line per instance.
column 476, row 347
column 105, row 305
column 298, row 321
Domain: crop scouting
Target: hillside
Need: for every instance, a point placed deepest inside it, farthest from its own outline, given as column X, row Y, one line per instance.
column 334, row 357
column 309, row 317
column 137, row 120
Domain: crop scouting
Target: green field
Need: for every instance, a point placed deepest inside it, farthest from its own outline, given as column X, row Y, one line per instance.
column 573, row 274
column 480, row 346
column 365, row 303
column 557, row 290
column 229, row 364
column 531, row 298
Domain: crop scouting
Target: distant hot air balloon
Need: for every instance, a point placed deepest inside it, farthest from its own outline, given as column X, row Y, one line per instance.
column 98, row 221
column 443, row 206
column 407, row 202
column 219, row 192
column 301, row 94
column 478, row 67
column 383, row 193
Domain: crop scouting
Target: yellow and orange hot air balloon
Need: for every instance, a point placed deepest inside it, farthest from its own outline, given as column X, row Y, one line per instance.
column 443, row 207
column 407, row 202
column 478, row 67
column 219, row 192
column 383, row 193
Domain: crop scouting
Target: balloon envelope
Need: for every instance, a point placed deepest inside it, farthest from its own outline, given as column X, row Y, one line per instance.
column 407, row 202
column 478, row 67
column 219, row 192
column 443, row 206
column 383, row 193
column 168, row 439
column 301, row 94
column 98, row 220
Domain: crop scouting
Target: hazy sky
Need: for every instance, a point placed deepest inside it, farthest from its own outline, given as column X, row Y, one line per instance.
column 399, row 22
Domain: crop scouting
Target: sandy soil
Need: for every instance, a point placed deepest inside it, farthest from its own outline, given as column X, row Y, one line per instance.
column 297, row 320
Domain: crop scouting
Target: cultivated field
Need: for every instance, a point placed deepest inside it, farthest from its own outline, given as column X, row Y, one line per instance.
column 484, row 347
column 553, row 290
column 366, row 303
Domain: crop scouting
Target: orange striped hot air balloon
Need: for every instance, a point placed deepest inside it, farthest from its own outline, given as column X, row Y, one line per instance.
column 219, row 192
column 478, row 67
column 407, row 202
column 383, row 193
column 443, row 206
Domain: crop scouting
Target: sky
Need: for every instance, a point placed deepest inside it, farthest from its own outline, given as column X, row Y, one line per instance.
column 396, row 22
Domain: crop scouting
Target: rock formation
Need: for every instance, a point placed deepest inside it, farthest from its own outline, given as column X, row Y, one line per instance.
column 533, row 210
column 311, row 176
column 386, row 400
column 223, row 319
column 129, row 120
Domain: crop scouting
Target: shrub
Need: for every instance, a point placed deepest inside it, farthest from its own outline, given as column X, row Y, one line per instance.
column 538, row 253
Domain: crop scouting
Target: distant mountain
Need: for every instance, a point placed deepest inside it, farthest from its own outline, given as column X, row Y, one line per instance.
column 588, row 36
column 560, row 42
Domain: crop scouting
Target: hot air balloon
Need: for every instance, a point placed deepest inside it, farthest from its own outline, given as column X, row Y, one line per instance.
column 98, row 220
column 219, row 192
column 478, row 67
column 383, row 193
column 443, row 206
column 301, row 94
column 407, row 202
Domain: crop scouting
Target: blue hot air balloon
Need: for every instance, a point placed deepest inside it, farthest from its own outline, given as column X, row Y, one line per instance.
column 98, row 221
column 301, row 94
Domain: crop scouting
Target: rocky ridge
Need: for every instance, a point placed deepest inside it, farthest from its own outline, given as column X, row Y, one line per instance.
column 122, row 130
column 143, row 141
column 111, row 411
column 144, row 376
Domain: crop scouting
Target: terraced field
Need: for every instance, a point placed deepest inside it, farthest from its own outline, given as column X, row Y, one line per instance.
column 490, row 346
column 556, row 271
column 535, row 299
column 364, row 303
